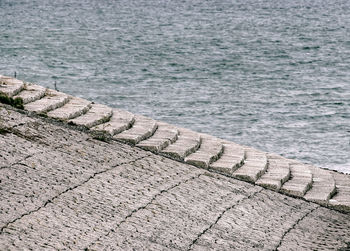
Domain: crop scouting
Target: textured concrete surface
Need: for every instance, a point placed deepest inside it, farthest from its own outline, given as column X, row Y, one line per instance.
column 187, row 143
column 62, row 189
column 10, row 86
column 50, row 101
column 120, row 121
column 74, row 108
column 142, row 128
column 209, row 151
column 163, row 137
column 268, row 170
column 98, row 114
column 31, row 93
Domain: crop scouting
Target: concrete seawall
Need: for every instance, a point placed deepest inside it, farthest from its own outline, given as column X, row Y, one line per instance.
column 138, row 185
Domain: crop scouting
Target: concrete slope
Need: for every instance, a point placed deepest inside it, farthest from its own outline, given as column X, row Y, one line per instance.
column 270, row 171
column 62, row 189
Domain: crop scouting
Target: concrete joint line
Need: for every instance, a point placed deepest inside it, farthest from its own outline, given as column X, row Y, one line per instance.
column 31, row 138
column 20, row 124
column 294, row 225
column 18, row 162
column 220, row 216
column 69, row 189
column 142, row 207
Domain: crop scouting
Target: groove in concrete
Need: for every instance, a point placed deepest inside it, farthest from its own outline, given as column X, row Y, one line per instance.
column 219, row 217
column 294, row 225
column 67, row 190
column 144, row 206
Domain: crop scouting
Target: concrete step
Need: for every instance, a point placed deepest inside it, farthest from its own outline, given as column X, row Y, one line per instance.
column 323, row 186
column 10, row 86
column 164, row 136
column 341, row 200
column 187, row 143
column 31, row 93
column 74, row 108
column 143, row 128
column 254, row 166
column 210, row 150
column 52, row 100
column 300, row 181
column 277, row 173
column 97, row 114
column 120, row 121
column 232, row 158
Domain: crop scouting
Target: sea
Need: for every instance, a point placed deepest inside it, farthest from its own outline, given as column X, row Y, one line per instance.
column 271, row 74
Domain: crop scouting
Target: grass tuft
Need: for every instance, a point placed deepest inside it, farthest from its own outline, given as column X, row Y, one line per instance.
column 15, row 102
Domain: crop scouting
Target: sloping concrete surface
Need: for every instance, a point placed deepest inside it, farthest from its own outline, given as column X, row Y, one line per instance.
column 62, row 189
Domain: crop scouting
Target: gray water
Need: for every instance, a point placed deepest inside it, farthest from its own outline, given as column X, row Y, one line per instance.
column 272, row 74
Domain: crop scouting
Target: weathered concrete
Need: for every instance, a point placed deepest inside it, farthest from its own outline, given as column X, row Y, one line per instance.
column 61, row 189
column 97, row 114
column 74, row 108
column 210, row 150
column 31, row 93
column 120, row 121
column 241, row 162
column 278, row 172
column 143, row 128
column 232, row 158
column 10, row 86
column 163, row 137
column 254, row 166
column 300, row 182
column 323, row 186
column 50, row 101
column 187, row 143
